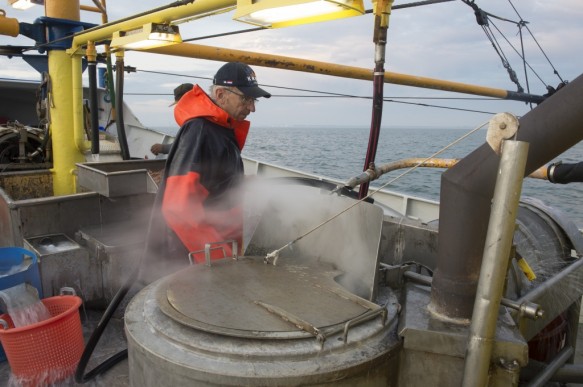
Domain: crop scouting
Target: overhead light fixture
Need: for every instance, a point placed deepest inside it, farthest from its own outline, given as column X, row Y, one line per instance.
column 148, row 36
column 25, row 4
column 285, row 13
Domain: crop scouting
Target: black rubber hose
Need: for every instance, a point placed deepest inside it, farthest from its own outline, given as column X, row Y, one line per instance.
column 121, row 131
column 92, row 72
column 80, row 376
column 560, row 173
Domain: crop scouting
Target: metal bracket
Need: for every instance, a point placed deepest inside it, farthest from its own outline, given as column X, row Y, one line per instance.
column 373, row 309
column 67, row 290
column 207, row 251
column 295, row 320
column 365, row 317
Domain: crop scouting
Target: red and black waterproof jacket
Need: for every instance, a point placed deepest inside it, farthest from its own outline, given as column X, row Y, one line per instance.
column 198, row 199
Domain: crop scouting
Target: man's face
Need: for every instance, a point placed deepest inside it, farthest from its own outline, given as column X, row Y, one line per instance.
column 235, row 103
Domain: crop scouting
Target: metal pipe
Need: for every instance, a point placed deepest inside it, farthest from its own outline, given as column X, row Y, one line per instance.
column 373, row 174
column 8, row 26
column 495, row 263
column 568, row 373
column 466, row 193
column 525, row 308
column 189, row 50
column 556, row 295
column 90, row 9
column 418, row 278
column 548, row 372
column 81, row 143
column 561, row 278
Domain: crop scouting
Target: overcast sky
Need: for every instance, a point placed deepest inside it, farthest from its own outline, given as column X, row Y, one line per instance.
column 441, row 41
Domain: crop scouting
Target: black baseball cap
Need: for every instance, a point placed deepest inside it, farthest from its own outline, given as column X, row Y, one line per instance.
column 241, row 76
column 179, row 91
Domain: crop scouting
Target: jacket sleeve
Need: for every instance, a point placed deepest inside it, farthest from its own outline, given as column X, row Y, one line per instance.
column 183, row 210
column 165, row 149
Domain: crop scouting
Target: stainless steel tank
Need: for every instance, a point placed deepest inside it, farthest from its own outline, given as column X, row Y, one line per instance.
column 246, row 323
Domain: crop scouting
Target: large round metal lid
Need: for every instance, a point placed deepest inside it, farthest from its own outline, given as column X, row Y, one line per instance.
column 247, row 298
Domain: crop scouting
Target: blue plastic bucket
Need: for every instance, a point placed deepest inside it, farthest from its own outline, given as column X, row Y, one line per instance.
column 10, row 275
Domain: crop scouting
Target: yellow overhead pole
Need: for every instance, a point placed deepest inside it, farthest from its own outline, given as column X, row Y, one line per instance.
column 311, row 66
column 65, row 153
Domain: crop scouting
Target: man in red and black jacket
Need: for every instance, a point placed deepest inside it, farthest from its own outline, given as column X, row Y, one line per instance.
column 198, row 201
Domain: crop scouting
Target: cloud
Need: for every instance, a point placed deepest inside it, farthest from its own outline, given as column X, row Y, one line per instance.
column 441, row 41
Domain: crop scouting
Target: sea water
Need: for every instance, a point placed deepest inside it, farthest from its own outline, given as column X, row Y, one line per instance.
column 338, row 152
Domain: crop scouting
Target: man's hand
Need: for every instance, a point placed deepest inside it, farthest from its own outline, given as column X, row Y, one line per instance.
column 156, row 148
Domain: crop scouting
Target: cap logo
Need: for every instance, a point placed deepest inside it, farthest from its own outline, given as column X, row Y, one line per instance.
column 251, row 79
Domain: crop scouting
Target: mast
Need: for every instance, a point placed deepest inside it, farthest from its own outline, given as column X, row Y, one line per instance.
column 65, row 152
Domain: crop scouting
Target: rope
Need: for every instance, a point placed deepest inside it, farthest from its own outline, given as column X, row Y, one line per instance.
column 275, row 253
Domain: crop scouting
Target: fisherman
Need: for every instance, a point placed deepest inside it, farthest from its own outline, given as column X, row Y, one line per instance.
column 197, row 199
column 179, row 91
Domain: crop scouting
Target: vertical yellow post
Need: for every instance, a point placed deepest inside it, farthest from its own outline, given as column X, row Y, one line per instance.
column 65, row 152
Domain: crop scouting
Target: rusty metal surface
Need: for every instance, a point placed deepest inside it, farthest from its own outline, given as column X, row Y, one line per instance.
column 27, row 185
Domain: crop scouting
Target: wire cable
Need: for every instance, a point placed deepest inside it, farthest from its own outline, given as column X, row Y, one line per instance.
column 335, row 95
column 519, row 54
column 539, row 46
